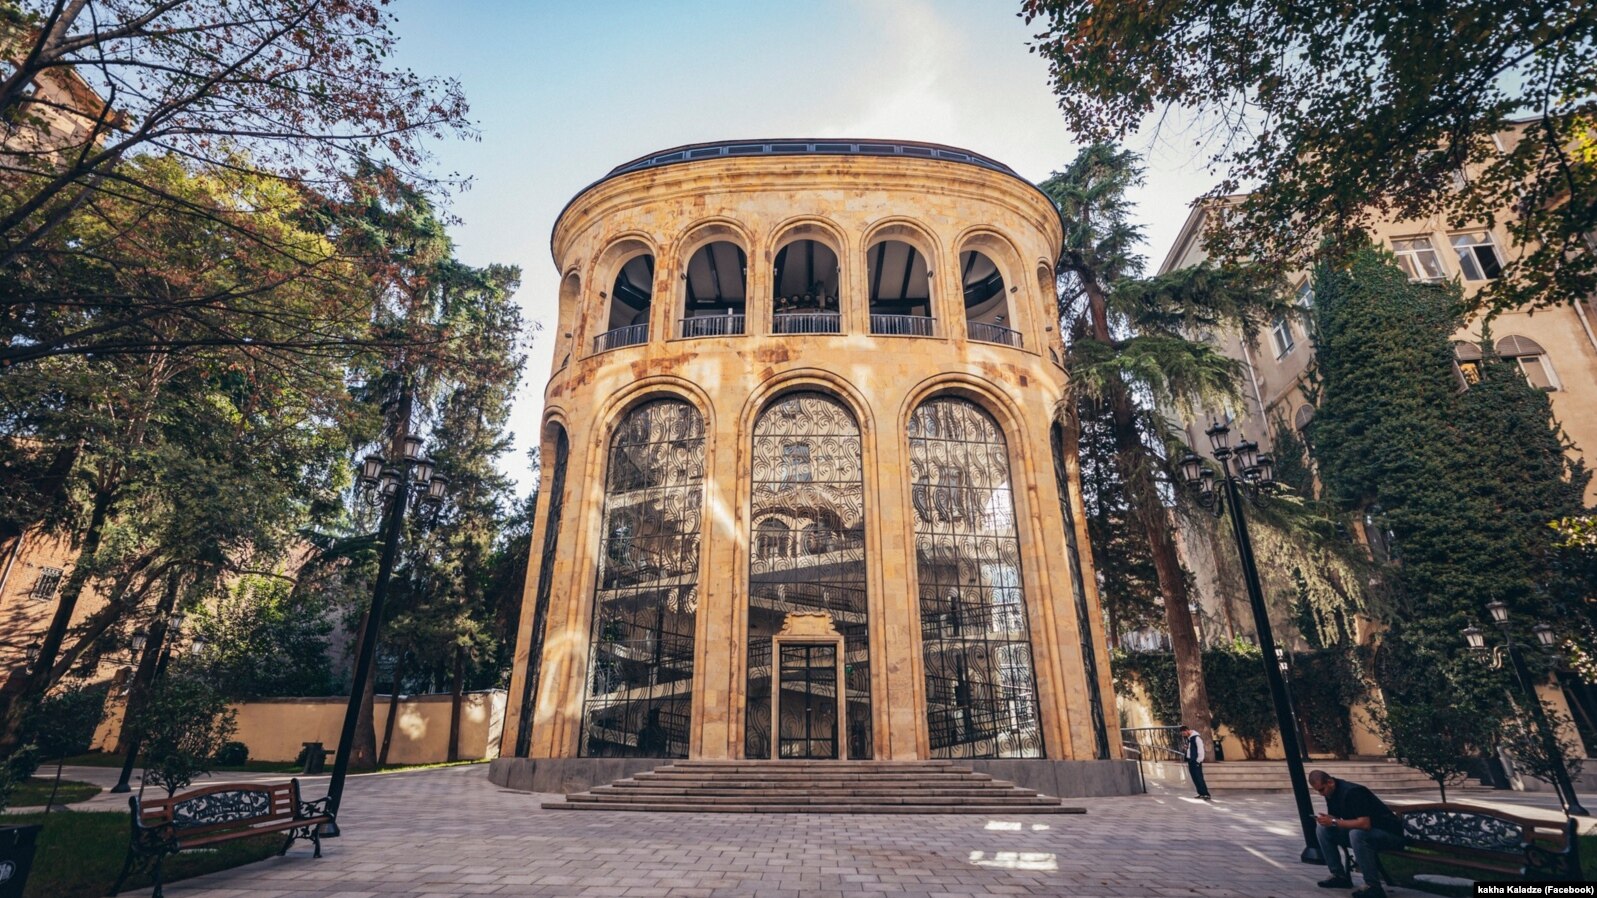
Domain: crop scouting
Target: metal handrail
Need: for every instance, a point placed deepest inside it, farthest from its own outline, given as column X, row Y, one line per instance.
column 713, row 326
column 631, row 335
column 903, row 325
column 992, row 333
column 807, row 323
column 1152, row 743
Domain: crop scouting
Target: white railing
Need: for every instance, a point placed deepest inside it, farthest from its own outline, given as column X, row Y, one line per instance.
column 807, row 323
column 992, row 333
column 621, row 336
column 903, row 325
column 713, row 326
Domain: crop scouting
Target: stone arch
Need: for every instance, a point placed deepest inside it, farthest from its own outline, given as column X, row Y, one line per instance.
column 808, row 496
column 979, row 666
column 569, row 314
column 643, row 627
column 900, row 261
column 807, row 276
column 714, row 277
column 616, row 264
column 993, row 311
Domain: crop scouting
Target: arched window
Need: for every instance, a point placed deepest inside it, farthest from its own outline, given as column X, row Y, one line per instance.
column 900, row 289
column 1078, row 591
column 716, row 294
column 822, row 570
column 804, row 292
column 1531, row 359
column 540, row 602
column 631, row 294
column 981, row 693
column 771, row 539
column 987, row 314
column 641, row 662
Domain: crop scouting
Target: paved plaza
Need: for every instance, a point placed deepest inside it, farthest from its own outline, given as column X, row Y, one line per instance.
column 451, row 832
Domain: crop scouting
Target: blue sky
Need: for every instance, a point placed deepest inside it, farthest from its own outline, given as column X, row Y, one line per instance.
column 563, row 92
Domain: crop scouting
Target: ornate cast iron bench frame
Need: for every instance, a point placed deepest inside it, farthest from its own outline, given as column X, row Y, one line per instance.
column 1485, row 840
column 212, row 815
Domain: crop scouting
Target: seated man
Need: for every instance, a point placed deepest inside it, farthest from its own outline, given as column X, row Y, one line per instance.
column 1354, row 818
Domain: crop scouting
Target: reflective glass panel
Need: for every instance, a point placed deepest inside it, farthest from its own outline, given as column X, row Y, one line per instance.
column 808, row 514
column 981, row 688
column 641, row 659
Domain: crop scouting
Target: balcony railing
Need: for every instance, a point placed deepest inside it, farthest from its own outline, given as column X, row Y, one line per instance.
column 807, row 323
column 992, row 333
column 630, row 335
column 902, row 325
column 713, row 326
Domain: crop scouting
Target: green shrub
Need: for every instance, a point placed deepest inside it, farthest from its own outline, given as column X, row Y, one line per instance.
column 233, row 754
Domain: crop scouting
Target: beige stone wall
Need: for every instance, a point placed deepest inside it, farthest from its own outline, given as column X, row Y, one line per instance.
column 845, row 202
column 27, row 565
column 276, row 729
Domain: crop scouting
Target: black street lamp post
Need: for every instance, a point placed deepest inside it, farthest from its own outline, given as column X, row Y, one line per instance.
column 391, row 489
column 1242, row 468
column 1527, row 684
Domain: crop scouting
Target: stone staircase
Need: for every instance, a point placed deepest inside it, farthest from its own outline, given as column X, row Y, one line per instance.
column 1240, row 776
column 814, row 787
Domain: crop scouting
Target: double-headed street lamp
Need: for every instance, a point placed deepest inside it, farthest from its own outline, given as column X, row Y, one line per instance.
column 392, row 488
column 1242, row 468
column 1544, row 635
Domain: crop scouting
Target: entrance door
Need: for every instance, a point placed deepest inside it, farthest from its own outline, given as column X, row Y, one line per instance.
column 807, row 703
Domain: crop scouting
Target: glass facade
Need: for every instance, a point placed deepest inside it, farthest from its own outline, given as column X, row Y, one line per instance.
column 640, row 671
column 808, row 540
column 540, row 607
column 981, row 691
column 1078, row 590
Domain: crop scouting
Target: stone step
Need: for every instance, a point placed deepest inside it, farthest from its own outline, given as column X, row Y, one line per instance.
column 815, row 808
column 797, row 788
column 853, row 787
column 796, row 776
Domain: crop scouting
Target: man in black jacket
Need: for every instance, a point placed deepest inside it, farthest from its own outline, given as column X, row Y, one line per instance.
column 1195, row 759
column 1354, row 818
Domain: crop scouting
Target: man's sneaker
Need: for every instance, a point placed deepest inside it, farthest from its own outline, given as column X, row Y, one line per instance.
column 1374, row 891
column 1336, row 882
column 1207, row 797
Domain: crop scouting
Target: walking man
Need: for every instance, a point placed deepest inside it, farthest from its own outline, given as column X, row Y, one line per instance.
column 1354, row 818
column 1195, row 758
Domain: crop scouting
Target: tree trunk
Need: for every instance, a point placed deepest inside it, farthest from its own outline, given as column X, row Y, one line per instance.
column 144, row 676
column 393, row 710
column 1135, row 465
column 16, row 705
column 457, row 676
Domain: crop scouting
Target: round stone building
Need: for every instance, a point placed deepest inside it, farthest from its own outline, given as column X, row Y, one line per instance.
column 807, row 489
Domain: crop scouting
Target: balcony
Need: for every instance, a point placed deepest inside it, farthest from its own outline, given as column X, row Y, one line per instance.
column 903, row 326
column 631, row 335
column 992, row 333
column 806, row 323
column 712, row 326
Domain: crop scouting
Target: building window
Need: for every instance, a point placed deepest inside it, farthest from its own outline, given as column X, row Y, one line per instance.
column 48, row 583
column 540, row 608
column 1418, row 258
column 1467, row 364
column 1305, row 294
column 1477, row 256
column 821, row 567
column 796, row 463
column 640, row 663
column 1281, row 333
column 1531, row 359
column 981, row 690
column 1078, row 590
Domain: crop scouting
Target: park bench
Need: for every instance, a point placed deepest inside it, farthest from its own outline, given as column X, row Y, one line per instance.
column 213, row 815
column 1455, row 837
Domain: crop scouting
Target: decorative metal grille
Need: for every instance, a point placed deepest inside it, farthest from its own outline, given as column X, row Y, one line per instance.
column 981, row 692
column 640, row 670
column 222, row 807
column 1078, row 588
column 808, row 515
column 540, row 607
